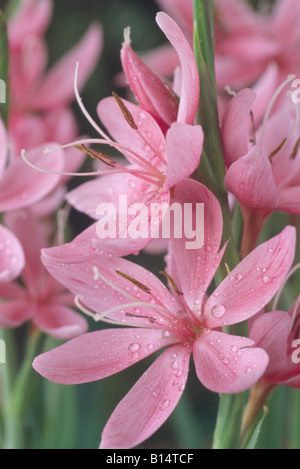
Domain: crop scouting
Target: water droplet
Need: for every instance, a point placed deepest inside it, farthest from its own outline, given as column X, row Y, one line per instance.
column 239, row 276
column 234, row 349
column 266, row 279
column 150, row 347
column 163, row 405
column 174, row 365
column 134, row 348
column 218, row 311
column 165, row 333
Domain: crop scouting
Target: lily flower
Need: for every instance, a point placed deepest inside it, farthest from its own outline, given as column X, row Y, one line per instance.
column 186, row 319
column 263, row 165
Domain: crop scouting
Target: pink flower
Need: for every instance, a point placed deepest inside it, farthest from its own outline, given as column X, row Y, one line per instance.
column 277, row 332
column 151, row 92
column 187, row 321
column 157, row 158
column 40, row 299
column 263, row 164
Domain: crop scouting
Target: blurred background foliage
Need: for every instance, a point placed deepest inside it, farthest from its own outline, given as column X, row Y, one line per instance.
column 74, row 416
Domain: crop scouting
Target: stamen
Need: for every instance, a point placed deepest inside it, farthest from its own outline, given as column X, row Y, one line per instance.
column 97, row 155
column 150, row 319
column 83, row 109
column 138, row 284
column 126, row 34
column 253, row 140
column 96, row 316
column 172, row 282
column 125, row 111
column 229, row 91
column 59, row 173
column 295, row 150
column 272, row 102
column 277, row 150
column 130, row 119
column 98, row 276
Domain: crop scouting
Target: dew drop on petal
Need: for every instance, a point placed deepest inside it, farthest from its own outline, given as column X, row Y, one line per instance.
column 239, row 276
column 218, row 311
column 265, row 279
column 165, row 333
column 134, row 348
column 163, row 405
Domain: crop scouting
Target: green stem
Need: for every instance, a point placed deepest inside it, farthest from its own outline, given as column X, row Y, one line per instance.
column 15, row 392
column 229, row 420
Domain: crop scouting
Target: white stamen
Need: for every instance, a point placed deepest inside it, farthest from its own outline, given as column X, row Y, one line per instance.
column 83, row 109
column 272, row 102
column 230, row 91
column 126, row 34
column 59, row 173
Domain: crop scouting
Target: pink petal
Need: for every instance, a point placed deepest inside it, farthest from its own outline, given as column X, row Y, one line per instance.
column 3, row 147
column 57, row 88
column 151, row 93
column 270, row 331
column 15, row 313
column 236, row 126
column 265, row 88
column 190, row 78
column 150, row 402
column 114, row 121
column 183, row 140
column 22, row 185
column 86, row 278
column 99, row 354
column 59, row 321
column 180, row 10
column 11, row 255
column 250, row 179
column 227, row 364
column 289, row 200
column 32, row 19
column 195, row 268
column 252, row 284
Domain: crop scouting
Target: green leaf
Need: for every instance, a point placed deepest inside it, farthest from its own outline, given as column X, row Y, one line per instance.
column 252, row 442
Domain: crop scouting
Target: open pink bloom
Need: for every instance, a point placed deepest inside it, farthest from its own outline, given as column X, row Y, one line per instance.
column 40, row 299
column 187, row 321
column 263, row 165
column 157, row 158
column 156, row 163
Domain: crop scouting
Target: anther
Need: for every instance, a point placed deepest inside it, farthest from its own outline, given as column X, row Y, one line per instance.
column 126, row 113
column 295, row 150
column 138, row 284
column 277, row 149
column 149, row 318
column 97, row 155
column 172, row 282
